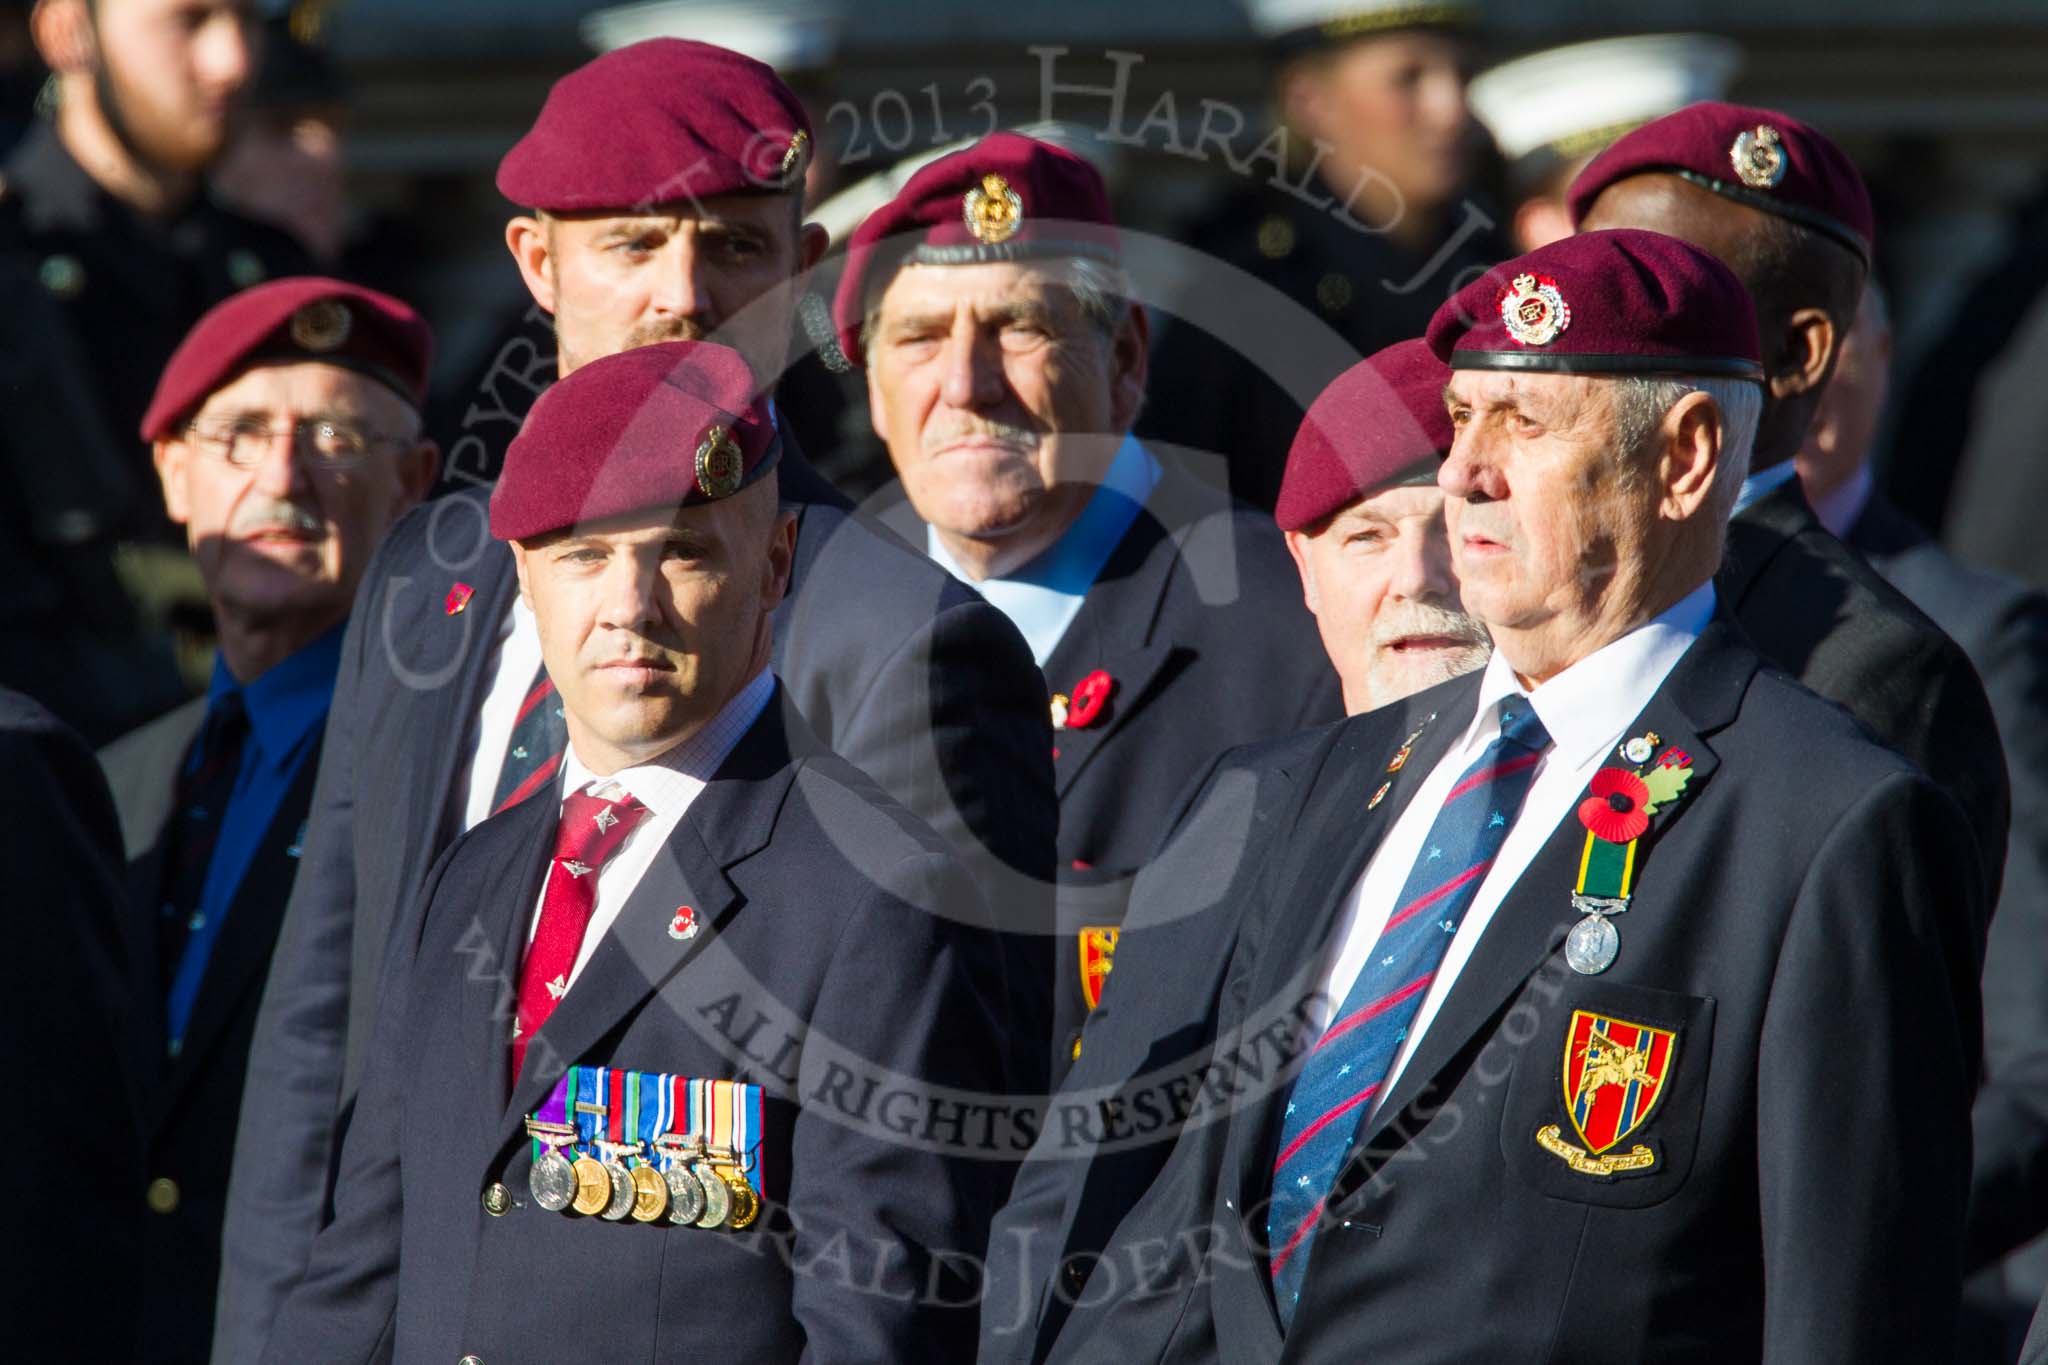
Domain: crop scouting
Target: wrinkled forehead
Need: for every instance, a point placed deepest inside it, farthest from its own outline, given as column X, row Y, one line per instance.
column 1534, row 392
column 988, row 287
column 1406, row 502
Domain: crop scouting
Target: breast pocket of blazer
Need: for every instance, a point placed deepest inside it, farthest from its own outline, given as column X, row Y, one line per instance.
column 1605, row 1097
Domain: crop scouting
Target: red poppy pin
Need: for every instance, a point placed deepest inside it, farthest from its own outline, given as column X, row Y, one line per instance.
column 684, row 925
column 1616, row 810
column 458, row 598
column 1091, row 695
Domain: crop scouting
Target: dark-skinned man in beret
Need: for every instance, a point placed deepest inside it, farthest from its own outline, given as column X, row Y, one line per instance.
column 1785, row 209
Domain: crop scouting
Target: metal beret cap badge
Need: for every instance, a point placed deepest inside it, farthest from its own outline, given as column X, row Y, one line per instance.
column 1759, row 157
column 992, row 210
column 320, row 326
column 720, row 464
column 1533, row 310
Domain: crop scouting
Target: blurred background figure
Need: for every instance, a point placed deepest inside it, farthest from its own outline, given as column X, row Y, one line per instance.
column 285, row 165
column 112, row 247
column 286, row 439
column 69, row 1264
column 1361, row 212
column 2003, row 626
column 1553, row 111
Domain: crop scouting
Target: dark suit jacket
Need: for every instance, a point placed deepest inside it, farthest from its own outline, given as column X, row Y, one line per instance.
column 190, row 1102
column 1817, row 610
column 2003, row 626
column 1198, row 618
column 827, row 909
column 1798, row 923
column 70, row 1261
column 1112, row 1124
column 901, row 670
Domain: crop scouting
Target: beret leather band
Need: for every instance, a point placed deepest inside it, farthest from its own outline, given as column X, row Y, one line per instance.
column 1036, row 249
column 1708, row 366
column 1820, row 222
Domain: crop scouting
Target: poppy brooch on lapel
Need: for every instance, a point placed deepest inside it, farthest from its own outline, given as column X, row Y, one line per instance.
column 1086, row 705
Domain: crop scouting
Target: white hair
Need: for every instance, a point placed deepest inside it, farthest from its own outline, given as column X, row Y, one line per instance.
column 1641, row 403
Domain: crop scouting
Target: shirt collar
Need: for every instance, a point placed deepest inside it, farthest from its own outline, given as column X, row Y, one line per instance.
column 1839, row 510
column 673, row 778
column 1587, row 706
column 288, row 701
column 1762, row 482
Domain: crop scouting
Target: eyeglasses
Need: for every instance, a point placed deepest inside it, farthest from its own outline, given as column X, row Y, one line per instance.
column 322, row 442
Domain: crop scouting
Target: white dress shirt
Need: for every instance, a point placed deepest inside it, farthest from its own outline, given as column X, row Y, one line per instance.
column 666, row 785
column 518, row 659
column 1587, row 709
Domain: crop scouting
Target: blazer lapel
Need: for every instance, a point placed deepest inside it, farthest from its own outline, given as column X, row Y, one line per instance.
column 1340, row 829
column 1700, row 697
column 1757, row 534
column 457, row 700
column 731, row 819
column 492, row 950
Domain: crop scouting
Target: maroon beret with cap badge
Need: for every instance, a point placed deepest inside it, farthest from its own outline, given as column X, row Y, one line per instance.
column 287, row 322
column 1623, row 301
column 1006, row 198
column 1757, row 157
column 1379, row 423
column 662, row 426
column 659, row 122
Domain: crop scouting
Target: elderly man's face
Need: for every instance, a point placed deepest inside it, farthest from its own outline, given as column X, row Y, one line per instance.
column 651, row 622
column 1543, row 512
column 1379, row 579
column 1001, row 402
column 291, row 532
column 722, row 268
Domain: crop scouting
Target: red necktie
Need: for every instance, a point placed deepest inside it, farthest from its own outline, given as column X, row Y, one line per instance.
column 591, row 830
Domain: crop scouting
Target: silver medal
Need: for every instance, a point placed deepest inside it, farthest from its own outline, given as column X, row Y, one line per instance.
column 717, row 1195
column 1592, row 945
column 685, row 1195
column 622, row 1191
column 552, row 1182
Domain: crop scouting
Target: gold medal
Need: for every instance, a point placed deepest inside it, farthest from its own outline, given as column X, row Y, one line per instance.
column 593, row 1186
column 746, row 1205
column 650, row 1194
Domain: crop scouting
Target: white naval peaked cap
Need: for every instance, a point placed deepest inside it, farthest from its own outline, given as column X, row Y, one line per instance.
column 789, row 35
column 1338, row 20
column 1575, row 100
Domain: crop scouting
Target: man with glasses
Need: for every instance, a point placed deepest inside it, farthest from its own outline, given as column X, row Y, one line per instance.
column 285, row 432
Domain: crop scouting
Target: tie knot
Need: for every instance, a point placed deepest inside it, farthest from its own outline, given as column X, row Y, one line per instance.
column 593, row 827
column 1520, row 725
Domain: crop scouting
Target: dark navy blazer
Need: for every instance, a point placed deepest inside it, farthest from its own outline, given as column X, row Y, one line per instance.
column 845, row 964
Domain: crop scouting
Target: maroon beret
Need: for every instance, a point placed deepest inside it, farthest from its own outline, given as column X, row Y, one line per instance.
column 1006, row 198
column 1757, row 157
column 1379, row 421
column 654, row 123
column 660, row 426
column 1623, row 301
column 285, row 322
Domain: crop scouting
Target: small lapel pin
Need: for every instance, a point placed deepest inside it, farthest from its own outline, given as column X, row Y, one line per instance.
column 458, row 598
column 684, row 925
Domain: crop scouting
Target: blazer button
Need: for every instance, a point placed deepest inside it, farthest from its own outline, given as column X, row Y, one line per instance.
column 497, row 1203
column 1076, row 1278
column 470, row 1360
column 163, row 1195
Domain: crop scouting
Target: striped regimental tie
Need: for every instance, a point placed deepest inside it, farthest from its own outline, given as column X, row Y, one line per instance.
column 1349, row 1063
column 540, row 736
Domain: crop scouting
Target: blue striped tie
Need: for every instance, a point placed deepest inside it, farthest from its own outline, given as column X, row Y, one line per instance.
column 1350, row 1061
